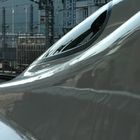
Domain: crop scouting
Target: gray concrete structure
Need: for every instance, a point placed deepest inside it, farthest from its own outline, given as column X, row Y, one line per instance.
column 18, row 16
column 58, row 18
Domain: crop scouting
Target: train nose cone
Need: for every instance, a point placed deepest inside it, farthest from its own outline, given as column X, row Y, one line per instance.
column 9, row 133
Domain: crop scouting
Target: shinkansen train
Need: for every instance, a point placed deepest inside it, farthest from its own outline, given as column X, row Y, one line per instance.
column 85, row 87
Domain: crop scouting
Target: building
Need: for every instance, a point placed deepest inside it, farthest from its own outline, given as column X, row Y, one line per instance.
column 69, row 13
column 64, row 16
column 18, row 16
column 8, row 53
column 100, row 2
column 29, row 48
column 85, row 8
column 58, row 19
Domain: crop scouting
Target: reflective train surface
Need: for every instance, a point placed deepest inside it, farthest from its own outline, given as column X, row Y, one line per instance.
column 85, row 87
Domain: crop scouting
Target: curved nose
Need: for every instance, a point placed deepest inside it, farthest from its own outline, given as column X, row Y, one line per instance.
column 9, row 133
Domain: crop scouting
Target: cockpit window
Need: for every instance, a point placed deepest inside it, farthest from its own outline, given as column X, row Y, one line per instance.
column 80, row 37
column 87, row 36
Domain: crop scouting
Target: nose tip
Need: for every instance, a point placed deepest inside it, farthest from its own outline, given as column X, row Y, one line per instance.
column 9, row 133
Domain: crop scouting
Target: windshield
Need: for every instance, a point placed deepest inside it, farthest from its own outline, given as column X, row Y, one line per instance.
column 80, row 37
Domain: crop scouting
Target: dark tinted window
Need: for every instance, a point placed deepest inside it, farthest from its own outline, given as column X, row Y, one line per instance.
column 80, row 37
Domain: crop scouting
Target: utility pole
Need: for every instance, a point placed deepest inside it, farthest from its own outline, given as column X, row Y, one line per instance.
column 51, row 22
column 47, row 40
column 49, row 25
column 31, row 20
column 3, row 33
column 13, row 27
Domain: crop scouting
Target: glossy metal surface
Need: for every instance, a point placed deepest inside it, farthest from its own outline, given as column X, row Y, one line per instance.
column 89, row 95
column 8, row 133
